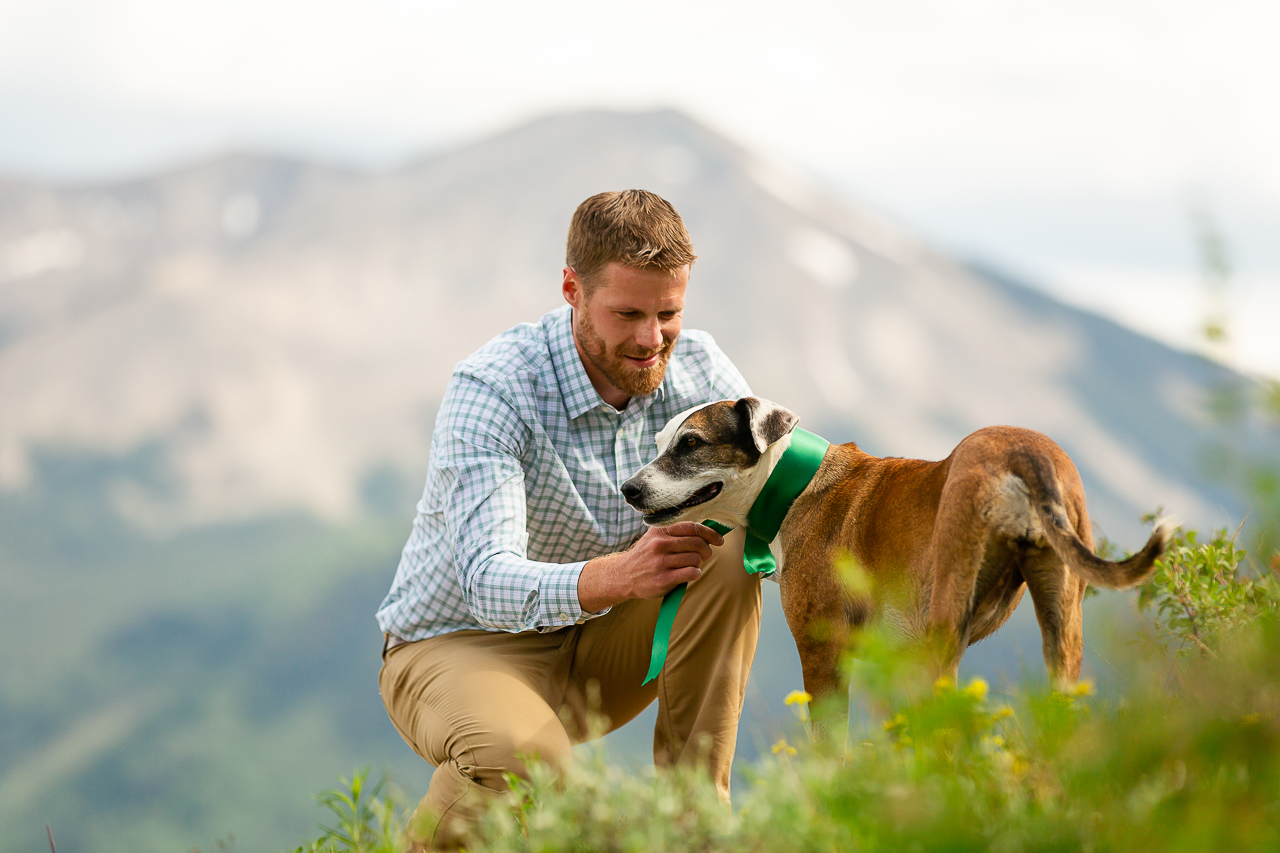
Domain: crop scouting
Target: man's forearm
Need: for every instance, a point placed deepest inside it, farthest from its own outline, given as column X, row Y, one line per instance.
column 600, row 583
column 662, row 559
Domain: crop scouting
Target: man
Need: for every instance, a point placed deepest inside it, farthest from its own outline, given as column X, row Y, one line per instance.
column 522, row 614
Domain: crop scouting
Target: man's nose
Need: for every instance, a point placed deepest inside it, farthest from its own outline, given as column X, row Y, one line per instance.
column 650, row 335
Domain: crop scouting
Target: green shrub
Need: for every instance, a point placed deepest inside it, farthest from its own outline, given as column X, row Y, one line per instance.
column 367, row 819
column 1188, row 764
column 1201, row 594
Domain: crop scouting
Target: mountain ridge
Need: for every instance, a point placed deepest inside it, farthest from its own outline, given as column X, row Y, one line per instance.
column 258, row 295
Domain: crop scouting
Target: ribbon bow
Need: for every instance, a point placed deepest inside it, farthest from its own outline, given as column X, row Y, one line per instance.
column 790, row 477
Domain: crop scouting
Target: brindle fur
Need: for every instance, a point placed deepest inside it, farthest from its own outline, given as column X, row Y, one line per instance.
column 949, row 546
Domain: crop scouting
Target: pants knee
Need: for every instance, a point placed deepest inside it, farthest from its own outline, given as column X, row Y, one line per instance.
column 488, row 760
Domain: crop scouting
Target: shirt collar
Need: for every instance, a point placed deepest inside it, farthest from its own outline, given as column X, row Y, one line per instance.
column 679, row 384
column 579, row 395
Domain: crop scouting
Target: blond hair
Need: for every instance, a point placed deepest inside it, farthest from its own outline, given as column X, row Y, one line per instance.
column 632, row 227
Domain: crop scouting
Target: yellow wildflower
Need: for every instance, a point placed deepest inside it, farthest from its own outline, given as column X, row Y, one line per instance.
column 977, row 688
column 899, row 721
column 783, row 747
column 798, row 696
column 1083, row 688
column 1002, row 712
column 943, row 684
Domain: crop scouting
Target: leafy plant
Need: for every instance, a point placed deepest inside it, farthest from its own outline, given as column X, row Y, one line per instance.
column 1201, row 593
column 367, row 820
column 1246, row 409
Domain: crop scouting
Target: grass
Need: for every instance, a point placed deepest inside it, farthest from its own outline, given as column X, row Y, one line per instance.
column 1188, row 759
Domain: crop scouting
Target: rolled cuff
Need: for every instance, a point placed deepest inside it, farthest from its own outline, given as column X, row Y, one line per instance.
column 558, row 598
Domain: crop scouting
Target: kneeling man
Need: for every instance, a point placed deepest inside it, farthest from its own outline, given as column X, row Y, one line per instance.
column 527, row 595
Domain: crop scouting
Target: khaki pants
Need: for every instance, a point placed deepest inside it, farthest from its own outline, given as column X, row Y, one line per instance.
column 472, row 702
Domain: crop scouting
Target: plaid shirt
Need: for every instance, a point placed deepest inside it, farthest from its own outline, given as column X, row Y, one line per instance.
column 524, row 477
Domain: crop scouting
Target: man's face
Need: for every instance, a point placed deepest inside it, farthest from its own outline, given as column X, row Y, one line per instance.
column 626, row 330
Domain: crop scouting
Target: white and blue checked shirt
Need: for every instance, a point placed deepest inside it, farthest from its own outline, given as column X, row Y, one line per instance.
column 523, row 485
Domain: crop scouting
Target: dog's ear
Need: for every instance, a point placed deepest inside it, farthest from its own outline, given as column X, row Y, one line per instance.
column 767, row 421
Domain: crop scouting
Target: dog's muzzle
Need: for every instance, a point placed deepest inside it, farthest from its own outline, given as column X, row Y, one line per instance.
column 635, row 496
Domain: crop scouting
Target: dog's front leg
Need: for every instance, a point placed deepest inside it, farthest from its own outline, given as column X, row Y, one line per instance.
column 820, row 663
column 821, row 632
column 824, row 679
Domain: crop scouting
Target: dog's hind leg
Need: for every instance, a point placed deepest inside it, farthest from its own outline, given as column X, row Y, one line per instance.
column 1057, row 593
column 959, row 541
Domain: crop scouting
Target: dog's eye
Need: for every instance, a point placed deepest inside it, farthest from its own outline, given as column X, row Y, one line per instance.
column 691, row 441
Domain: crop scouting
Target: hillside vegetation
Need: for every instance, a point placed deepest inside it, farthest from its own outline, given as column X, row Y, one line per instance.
column 1187, row 760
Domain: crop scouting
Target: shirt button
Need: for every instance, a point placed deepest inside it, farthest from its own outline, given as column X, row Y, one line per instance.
column 564, row 615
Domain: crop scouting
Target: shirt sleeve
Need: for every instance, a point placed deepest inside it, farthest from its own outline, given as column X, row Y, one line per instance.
column 479, row 487
column 725, row 380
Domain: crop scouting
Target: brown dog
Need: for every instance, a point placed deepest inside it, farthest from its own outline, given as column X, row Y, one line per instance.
column 961, row 538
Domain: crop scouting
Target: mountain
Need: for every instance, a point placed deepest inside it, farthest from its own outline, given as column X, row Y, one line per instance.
column 218, row 388
column 282, row 329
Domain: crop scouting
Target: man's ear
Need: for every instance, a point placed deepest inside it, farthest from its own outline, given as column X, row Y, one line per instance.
column 571, row 288
column 767, row 421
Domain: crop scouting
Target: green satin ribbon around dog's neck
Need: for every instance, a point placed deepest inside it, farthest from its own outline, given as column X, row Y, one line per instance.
column 790, row 477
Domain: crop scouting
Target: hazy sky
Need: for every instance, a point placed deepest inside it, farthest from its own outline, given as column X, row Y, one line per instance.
column 1066, row 140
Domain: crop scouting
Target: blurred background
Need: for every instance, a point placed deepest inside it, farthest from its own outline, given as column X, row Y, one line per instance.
column 243, row 244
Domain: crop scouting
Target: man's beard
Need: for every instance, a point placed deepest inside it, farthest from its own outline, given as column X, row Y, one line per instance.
column 621, row 374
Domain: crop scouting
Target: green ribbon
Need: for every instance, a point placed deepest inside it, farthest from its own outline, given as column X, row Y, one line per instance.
column 790, row 477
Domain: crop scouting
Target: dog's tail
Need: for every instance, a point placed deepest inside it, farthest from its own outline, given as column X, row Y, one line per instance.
column 1046, row 496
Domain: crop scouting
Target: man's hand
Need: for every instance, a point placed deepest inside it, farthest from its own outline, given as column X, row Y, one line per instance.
column 663, row 558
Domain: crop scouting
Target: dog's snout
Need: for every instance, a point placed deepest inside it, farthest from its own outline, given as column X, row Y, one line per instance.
column 631, row 491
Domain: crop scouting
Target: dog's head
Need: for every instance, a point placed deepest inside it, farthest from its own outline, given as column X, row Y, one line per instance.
column 713, row 460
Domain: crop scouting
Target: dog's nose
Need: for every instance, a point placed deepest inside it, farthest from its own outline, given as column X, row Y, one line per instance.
column 630, row 491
